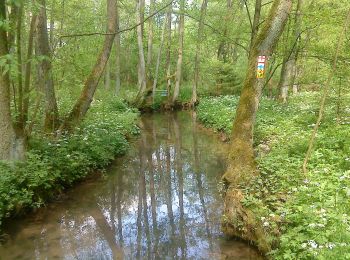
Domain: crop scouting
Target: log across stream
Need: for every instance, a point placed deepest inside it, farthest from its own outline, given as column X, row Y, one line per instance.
column 160, row 201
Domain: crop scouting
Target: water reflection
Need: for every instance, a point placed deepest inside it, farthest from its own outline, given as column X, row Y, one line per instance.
column 158, row 202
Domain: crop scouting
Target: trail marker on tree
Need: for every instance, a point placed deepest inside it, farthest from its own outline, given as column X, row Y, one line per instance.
column 260, row 71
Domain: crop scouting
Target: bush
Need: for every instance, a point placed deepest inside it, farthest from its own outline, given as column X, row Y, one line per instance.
column 53, row 165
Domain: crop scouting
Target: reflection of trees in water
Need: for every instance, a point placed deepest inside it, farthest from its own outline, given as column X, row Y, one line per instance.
column 160, row 201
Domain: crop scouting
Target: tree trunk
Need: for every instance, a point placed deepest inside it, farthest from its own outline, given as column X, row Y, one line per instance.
column 19, row 121
column 45, row 80
column 28, row 69
column 240, row 221
column 198, row 50
column 140, row 98
column 108, row 76
column 158, row 61
column 222, row 49
column 83, row 103
column 11, row 148
column 150, row 42
column 168, row 53
column 117, row 55
column 288, row 71
column 255, row 26
column 180, row 53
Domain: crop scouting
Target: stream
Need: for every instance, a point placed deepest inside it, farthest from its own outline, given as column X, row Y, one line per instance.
column 160, row 201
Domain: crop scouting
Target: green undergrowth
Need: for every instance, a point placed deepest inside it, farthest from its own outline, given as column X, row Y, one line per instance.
column 54, row 164
column 304, row 216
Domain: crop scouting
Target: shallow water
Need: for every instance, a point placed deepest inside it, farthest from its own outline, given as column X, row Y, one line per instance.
column 160, row 201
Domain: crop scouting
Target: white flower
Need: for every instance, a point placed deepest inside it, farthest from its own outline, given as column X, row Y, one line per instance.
column 330, row 245
column 313, row 244
column 303, row 245
column 266, row 224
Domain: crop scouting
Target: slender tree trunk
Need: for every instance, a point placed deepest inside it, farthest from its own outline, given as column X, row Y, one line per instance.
column 168, row 53
column 158, row 60
column 8, row 142
column 83, row 103
column 240, row 221
column 117, row 56
column 325, row 92
column 142, row 66
column 288, row 71
column 28, row 68
column 255, row 26
column 297, row 37
column 222, row 49
column 45, row 80
column 19, row 66
column 150, row 42
column 180, row 53
column 198, row 50
column 52, row 23
column 108, row 76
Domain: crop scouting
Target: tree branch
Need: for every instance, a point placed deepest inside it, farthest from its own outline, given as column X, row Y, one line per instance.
column 120, row 31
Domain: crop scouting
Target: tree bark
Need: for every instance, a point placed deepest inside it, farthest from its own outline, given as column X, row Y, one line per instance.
column 198, row 50
column 180, row 53
column 83, row 103
column 45, row 80
column 240, row 221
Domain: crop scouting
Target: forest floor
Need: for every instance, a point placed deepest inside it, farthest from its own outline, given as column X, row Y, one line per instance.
column 304, row 215
column 56, row 163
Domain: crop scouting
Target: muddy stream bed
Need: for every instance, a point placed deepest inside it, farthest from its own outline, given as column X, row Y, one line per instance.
column 160, row 201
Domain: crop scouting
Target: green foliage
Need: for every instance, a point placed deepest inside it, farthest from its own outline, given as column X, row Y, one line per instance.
column 55, row 164
column 310, row 211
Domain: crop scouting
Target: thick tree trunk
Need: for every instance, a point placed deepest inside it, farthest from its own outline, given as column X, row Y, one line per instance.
column 180, row 53
column 198, row 50
column 140, row 98
column 83, row 103
column 11, row 148
column 117, row 56
column 240, row 221
column 45, row 80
